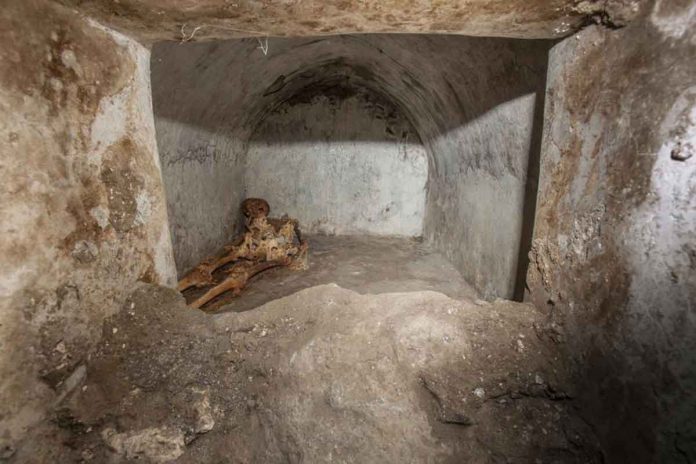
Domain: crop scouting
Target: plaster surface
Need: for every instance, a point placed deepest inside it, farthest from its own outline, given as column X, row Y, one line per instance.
column 476, row 200
column 347, row 163
column 470, row 101
column 203, row 174
column 613, row 257
column 81, row 200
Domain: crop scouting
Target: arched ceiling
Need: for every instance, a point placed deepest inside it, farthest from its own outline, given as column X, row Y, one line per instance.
column 153, row 20
column 439, row 82
column 471, row 100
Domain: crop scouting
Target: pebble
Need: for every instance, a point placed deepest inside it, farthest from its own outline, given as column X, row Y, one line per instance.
column 60, row 347
column 520, row 345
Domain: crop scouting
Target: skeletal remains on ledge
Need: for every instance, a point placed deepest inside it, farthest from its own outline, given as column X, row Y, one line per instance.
column 267, row 243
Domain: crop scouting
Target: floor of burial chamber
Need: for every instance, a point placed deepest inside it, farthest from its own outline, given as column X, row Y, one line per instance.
column 365, row 264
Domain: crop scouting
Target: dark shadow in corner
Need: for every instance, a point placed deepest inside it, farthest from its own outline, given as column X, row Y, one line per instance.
column 531, row 189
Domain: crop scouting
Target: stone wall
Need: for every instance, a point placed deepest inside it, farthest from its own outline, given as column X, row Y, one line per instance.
column 614, row 250
column 81, row 200
column 203, row 172
column 477, row 199
column 471, row 101
column 346, row 162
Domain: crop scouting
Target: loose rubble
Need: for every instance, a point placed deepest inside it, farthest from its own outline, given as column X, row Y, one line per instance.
column 325, row 374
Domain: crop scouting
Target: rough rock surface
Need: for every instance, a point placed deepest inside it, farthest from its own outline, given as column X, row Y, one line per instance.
column 614, row 250
column 323, row 375
column 81, row 199
column 186, row 20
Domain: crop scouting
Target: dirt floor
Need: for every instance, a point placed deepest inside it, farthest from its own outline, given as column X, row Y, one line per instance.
column 323, row 375
column 361, row 263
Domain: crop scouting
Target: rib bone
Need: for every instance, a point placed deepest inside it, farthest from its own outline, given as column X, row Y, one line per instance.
column 267, row 242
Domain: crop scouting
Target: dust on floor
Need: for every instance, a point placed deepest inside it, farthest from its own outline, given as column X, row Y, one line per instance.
column 365, row 264
column 323, row 375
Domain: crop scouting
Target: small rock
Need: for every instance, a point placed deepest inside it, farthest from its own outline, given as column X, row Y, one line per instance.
column 480, row 392
column 520, row 346
column 203, row 412
column 87, row 455
column 101, row 215
column 60, row 347
column 73, row 381
column 85, row 251
column 6, row 451
column 682, row 153
column 156, row 444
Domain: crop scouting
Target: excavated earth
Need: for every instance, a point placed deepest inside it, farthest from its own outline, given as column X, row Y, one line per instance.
column 323, row 375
